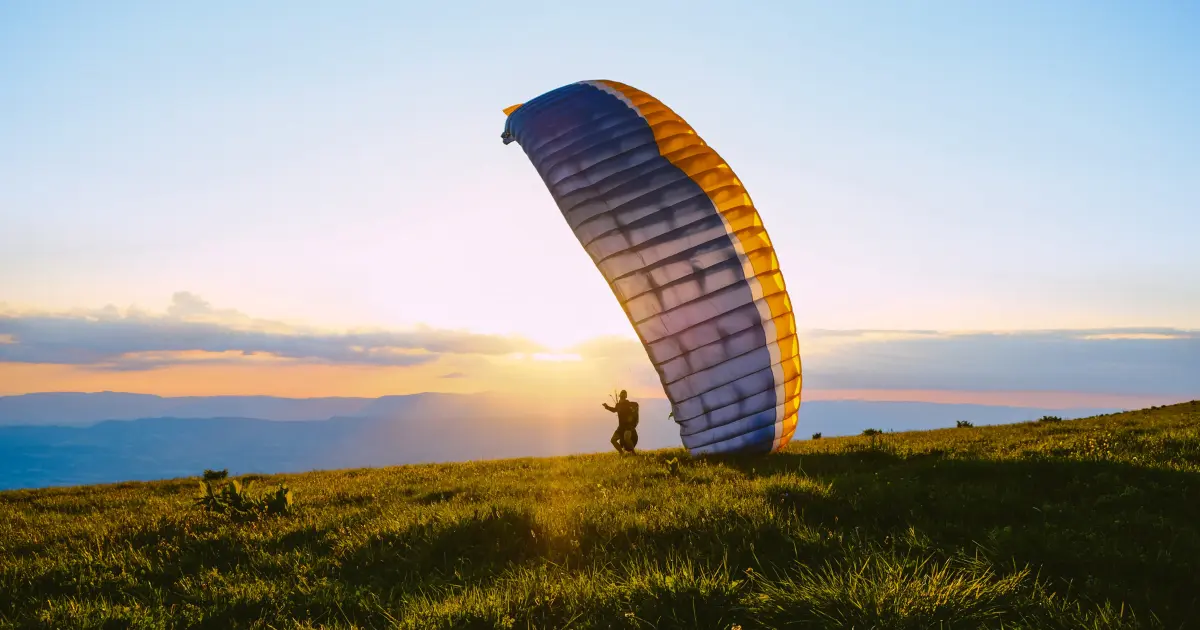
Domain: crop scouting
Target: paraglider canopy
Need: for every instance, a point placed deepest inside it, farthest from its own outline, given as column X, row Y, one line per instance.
column 685, row 252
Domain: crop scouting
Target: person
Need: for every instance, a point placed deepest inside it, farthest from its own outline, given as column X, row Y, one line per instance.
column 625, row 438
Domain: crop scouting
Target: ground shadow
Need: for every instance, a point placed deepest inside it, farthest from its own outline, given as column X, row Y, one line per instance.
column 455, row 549
column 1096, row 529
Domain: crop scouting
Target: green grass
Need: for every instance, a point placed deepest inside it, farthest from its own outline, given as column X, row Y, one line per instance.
column 1077, row 524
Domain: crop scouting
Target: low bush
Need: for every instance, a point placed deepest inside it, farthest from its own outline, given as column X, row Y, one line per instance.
column 234, row 499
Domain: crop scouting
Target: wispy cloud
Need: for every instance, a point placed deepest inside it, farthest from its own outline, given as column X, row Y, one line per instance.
column 191, row 332
column 1110, row 361
column 1134, row 361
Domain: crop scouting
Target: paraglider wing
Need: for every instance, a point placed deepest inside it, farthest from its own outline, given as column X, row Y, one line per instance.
column 680, row 243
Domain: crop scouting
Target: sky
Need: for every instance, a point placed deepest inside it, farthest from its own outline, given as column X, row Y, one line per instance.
column 1024, row 172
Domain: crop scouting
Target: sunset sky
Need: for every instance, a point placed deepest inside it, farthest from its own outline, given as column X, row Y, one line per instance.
column 970, row 202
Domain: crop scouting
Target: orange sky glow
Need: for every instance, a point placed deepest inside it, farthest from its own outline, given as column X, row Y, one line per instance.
column 545, row 379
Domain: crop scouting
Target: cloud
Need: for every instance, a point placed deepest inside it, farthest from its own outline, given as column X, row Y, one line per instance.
column 611, row 348
column 186, row 305
column 1133, row 361
column 623, row 358
column 192, row 332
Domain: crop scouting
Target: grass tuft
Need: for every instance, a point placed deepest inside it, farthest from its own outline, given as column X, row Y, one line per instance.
column 234, row 499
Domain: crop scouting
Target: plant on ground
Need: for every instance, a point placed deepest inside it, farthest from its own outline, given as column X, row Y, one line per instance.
column 234, row 499
column 215, row 475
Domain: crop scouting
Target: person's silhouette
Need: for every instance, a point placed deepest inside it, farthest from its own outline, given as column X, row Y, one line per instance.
column 625, row 438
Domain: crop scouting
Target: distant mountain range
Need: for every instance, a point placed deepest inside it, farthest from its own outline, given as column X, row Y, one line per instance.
column 76, row 438
column 80, row 409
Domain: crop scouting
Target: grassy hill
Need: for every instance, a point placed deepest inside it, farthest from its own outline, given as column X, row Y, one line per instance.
column 1089, row 523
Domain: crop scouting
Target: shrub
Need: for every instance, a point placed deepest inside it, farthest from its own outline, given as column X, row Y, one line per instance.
column 673, row 466
column 1050, row 419
column 963, row 424
column 234, row 499
column 816, row 436
column 215, row 475
column 871, row 432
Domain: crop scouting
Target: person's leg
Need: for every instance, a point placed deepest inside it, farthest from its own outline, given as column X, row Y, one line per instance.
column 631, row 439
column 616, row 440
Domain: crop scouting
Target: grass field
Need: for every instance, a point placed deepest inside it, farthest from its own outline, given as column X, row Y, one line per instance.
column 1078, row 524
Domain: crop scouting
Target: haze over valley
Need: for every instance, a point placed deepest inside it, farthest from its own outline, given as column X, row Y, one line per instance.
column 72, row 438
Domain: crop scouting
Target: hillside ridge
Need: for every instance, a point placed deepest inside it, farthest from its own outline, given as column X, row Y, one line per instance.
column 1089, row 523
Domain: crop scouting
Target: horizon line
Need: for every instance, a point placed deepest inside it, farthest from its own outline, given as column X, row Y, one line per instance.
column 989, row 398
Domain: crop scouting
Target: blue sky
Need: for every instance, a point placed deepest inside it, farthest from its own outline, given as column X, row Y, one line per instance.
column 942, row 166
